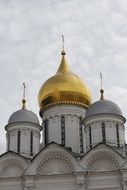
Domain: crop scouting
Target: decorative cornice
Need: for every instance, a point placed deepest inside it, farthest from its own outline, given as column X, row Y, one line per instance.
column 100, row 121
column 25, row 123
column 103, row 115
column 64, row 102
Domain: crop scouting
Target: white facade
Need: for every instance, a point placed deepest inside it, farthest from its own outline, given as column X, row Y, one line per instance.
column 57, row 167
column 112, row 124
column 25, row 129
column 72, row 115
column 82, row 149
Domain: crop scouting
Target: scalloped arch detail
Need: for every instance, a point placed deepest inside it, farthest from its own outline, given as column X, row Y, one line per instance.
column 11, row 167
column 55, row 163
column 102, row 162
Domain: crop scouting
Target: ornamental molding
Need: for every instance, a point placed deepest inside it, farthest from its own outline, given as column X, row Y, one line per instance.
column 68, row 103
column 102, row 162
column 106, row 121
column 52, row 112
column 95, row 157
column 68, row 117
column 100, row 120
column 48, row 158
column 23, row 124
column 12, row 161
column 54, row 163
column 24, row 131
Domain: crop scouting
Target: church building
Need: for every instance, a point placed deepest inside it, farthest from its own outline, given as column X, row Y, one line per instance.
column 83, row 145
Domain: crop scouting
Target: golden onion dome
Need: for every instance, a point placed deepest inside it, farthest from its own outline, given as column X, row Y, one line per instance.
column 64, row 87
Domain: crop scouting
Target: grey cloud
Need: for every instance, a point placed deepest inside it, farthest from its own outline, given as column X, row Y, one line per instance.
column 30, row 44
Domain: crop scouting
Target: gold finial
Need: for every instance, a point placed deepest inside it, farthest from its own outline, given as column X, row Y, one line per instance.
column 63, row 51
column 101, row 90
column 24, row 96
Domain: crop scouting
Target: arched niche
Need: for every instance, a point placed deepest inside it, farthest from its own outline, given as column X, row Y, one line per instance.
column 102, row 161
column 12, row 167
column 54, row 163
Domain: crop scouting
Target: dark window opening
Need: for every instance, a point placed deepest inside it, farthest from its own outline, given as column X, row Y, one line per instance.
column 80, row 135
column 117, row 135
column 46, row 139
column 31, row 143
column 90, row 137
column 103, row 133
column 18, row 141
column 63, row 130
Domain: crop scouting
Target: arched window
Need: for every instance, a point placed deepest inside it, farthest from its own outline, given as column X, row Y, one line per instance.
column 117, row 135
column 80, row 135
column 18, row 141
column 103, row 133
column 90, row 137
column 31, row 143
column 46, row 138
column 63, row 130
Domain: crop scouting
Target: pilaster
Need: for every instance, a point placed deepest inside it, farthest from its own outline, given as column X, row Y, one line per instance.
column 28, row 183
column 81, row 181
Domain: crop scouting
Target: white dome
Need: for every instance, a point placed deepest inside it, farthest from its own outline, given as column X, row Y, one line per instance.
column 23, row 116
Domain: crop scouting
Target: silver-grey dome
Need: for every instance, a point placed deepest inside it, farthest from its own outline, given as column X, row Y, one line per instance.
column 103, row 107
column 22, row 116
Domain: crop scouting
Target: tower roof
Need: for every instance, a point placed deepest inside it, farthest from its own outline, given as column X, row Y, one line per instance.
column 103, row 106
column 64, row 87
column 23, row 115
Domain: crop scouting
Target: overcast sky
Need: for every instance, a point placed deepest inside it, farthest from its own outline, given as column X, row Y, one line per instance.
column 95, row 34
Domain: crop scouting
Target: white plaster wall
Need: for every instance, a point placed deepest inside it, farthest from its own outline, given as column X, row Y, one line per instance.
column 104, row 180
column 11, row 184
column 56, row 182
column 111, row 137
column 54, row 125
column 86, row 138
column 72, row 132
column 25, row 141
column 92, row 181
column 13, row 140
column 85, row 180
column 25, row 129
column 72, row 114
column 110, row 129
column 36, row 142
column 122, row 134
column 96, row 133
